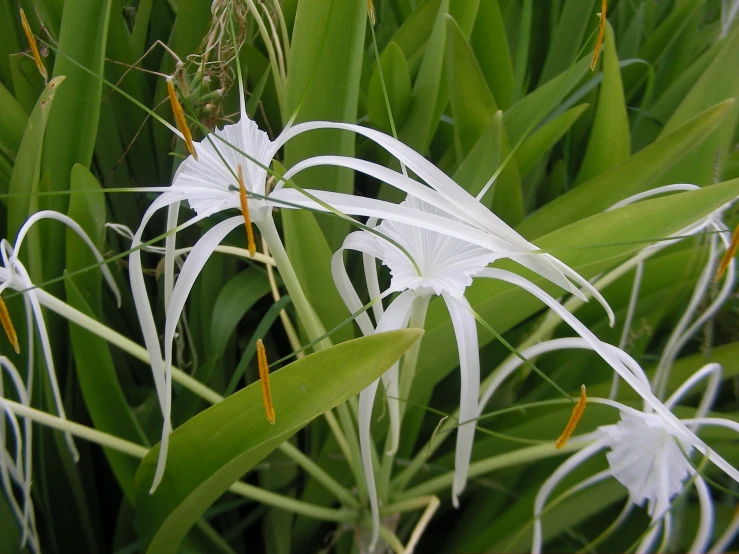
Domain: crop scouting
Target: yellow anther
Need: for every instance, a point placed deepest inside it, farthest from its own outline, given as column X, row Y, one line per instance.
column 371, row 8
column 728, row 255
column 264, row 376
column 250, row 244
column 179, row 118
column 34, row 48
column 577, row 412
column 601, row 34
column 8, row 326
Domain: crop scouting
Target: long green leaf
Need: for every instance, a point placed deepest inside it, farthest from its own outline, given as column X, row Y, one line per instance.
column 26, row 171
column 609, row 142
column 326, row 49
column 636, row 174
column 215, row 448
column 488, row 40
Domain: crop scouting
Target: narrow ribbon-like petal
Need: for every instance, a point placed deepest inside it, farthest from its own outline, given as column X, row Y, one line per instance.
column 396, row 317
column 465, row 330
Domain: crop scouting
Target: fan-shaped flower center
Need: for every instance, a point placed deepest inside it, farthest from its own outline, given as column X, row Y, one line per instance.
column 447, row 264
column 646, row 458
column 211, row 183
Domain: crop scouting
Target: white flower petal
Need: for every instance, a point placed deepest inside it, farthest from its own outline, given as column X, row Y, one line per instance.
column 173, row 212
column 354, row 241
column 72, row 224
column 465, row 330
column 646, row 459
column 551, row 483
column 370, row 276
column 401, row 214
column 396, row 317
column 514, row 362
column 705, row 528
column 46, row 349
column 192, row 267
column 713, row 372
column 473, row 210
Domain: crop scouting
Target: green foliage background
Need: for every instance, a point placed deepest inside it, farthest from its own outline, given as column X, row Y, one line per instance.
column 468, row 82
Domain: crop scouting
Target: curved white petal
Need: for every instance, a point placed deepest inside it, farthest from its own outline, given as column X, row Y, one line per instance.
column 382, row 173
column 426, row 171
column 141, row 297
column 652, row 192
column 684, row 329
column 514, row 362
column 354, row 241
column 633, row 297
column 366, row 400
column 192, row 267
column 23, row 443
column 72, row 224
column 46, row 349
column 173, row 212
column 549, row 485
column 396, row 317
column 705, row 528
column 146, row 320
column 465, row 330
column 370, row 276
column 713, row 371
column 368, row 207
column 457, row 196
column 728, row 536
column 597, row 345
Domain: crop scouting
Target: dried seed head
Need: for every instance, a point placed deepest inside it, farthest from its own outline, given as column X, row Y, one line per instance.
column 34, row 48
column 577, row 412
column 8, row 326
column 264, row 376
column 179, row 117
column 251, row 246
column 601, row 34
column 371, row 8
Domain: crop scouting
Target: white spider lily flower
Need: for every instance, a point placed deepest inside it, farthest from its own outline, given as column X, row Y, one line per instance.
column 209, row 184
column 15, row 469
column 442, row 264
column 15, row 276
column 451, row 198
column 646, row 450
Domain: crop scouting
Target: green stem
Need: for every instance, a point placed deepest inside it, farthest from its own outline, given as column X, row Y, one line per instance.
column 501, row 461
column 138, row 451
column 392, row 540
column 81, row 431
column 193, row 385
column 307, row 316
column 355, row 461
column 312, row 326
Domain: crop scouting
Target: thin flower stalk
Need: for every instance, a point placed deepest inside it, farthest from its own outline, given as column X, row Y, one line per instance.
column 342, row 515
